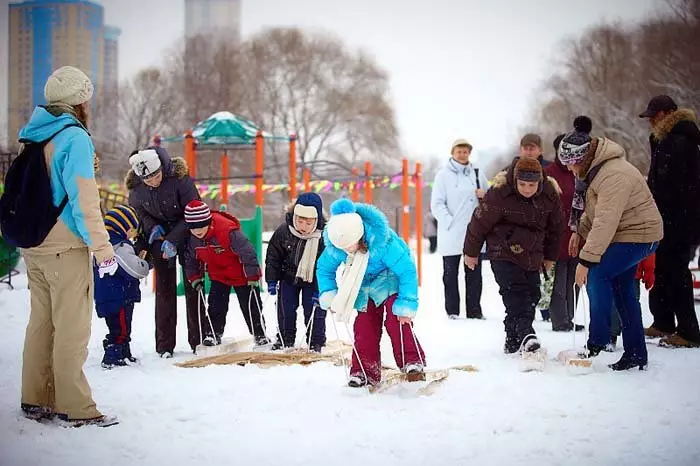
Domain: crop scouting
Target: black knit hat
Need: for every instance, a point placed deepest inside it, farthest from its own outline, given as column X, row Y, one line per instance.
column 574, row 146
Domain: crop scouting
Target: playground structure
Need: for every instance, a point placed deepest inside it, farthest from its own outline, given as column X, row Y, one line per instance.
column 224, row 132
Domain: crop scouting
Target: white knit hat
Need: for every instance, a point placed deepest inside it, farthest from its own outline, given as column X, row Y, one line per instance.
column 344, row 230
column 68, row 85
column 145, row 162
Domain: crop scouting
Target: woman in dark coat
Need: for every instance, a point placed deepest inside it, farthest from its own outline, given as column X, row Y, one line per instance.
column 159, row 189
column 561, row 308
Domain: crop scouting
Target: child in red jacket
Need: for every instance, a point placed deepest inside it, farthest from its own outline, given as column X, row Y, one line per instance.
column 218, row 243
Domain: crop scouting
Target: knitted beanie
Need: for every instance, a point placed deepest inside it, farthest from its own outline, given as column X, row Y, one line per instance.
column 121, row 219
column 68, row 85
column 197, row 214
column 575, row 145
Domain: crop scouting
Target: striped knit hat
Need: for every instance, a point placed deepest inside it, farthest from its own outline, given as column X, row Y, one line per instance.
column 121, row 219
column 197, row 214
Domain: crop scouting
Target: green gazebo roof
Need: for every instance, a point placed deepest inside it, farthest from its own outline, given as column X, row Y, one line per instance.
column 226, row 129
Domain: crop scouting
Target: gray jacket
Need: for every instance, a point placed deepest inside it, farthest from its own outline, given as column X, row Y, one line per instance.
column 130, row 262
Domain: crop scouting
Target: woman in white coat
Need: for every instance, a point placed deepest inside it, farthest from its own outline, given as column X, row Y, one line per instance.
column 456, row 192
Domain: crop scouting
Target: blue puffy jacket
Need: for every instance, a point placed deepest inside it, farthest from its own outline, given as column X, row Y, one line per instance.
column 390, row 270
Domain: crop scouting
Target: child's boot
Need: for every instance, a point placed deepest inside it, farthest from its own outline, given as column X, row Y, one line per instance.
column 127, row 354
column 114, row 356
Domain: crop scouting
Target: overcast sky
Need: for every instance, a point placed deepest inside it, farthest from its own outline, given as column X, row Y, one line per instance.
column 458, row 68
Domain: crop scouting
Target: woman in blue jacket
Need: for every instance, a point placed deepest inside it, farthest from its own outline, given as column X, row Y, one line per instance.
column 379, row 276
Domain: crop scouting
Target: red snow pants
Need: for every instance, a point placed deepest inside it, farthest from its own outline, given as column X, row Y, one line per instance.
column 368, row 334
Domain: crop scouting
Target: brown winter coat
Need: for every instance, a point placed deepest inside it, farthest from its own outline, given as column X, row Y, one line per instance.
column 522, row 231
column 619, row 205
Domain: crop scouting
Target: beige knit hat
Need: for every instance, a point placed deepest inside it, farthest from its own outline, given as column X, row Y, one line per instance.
column 68, row 85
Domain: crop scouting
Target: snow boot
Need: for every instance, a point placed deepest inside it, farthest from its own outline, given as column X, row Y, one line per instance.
column 209, row 340
column 414, row 372
column 127, row 354
column 357, row 381
column 100, row 421
column 37, row 413
column 531, row 344
column 512, row 345
column 114, row 356
column 166, row 354
column 316, row 348
column 628, row 362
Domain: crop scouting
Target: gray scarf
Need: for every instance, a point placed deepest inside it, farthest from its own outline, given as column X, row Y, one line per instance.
column 305, row 269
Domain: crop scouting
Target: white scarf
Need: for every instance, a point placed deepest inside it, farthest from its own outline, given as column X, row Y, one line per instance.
column 343, row 305
column 305, row 269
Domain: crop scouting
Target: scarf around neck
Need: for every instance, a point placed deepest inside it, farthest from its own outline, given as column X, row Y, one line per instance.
column 305, row 269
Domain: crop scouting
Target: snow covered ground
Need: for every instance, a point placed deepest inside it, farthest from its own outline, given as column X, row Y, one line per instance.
column 306, row 416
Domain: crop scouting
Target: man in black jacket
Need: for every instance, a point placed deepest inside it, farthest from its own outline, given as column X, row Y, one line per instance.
column 674, row 180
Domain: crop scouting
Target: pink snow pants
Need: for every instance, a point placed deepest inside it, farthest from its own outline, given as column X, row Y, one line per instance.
column 368, row 334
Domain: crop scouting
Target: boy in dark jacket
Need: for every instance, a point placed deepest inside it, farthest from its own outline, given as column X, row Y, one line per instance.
column 218, row 243
column 290, row 268
column 521, row 220
column 116, row 294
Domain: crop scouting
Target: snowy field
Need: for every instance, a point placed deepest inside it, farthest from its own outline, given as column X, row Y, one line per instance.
column 306, row 416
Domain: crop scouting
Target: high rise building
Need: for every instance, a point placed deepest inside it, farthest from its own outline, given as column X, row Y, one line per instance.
column 220, row 17
column 4, row 64
column 47, row 34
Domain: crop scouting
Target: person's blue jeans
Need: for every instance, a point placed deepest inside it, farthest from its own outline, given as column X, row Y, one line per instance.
column 611, row 283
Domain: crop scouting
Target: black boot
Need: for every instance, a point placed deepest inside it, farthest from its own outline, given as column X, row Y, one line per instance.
column 593, row 350
column 114, row 356
column 628, row 362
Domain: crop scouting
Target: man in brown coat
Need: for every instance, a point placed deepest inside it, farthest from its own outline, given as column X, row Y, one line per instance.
column 521, row 220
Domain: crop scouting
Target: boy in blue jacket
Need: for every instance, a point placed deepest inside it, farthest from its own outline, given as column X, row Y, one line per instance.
column 379, row 277
column 116, row 294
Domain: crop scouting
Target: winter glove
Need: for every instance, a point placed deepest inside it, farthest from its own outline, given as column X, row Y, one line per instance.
column 108, row 267
column 272, row 288
column 198, row 284
column 314, row 300
column 156, row 233
column 645, row 271
column 168, row 249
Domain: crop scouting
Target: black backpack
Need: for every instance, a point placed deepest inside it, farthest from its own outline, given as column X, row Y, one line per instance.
column 27, row 213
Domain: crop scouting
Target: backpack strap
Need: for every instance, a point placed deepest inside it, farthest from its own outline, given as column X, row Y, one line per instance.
column 46, row 141
column 25, row 141
column 478, row 183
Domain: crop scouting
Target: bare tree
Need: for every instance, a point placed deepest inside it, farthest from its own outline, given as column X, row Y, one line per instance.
column 335, row 99
column 611, row 70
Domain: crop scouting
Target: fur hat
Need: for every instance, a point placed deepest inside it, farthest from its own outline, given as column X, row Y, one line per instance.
column 527, row 169
column 197, row 214
column 575, row 145
column 345, row 226
column 145, row 163
column 68, row 85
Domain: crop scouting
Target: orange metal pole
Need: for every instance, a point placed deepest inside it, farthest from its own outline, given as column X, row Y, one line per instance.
column 292, row 167
column 307, row 180
column 354, row 191
column 406, row 226
column 224, row 179
column 419, row 223
column 190, row 154
column 259, row 167
column 368, row 183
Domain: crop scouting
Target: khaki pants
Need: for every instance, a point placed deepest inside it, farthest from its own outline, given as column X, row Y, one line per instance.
column 55, row 345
